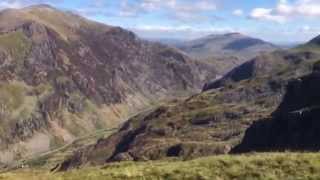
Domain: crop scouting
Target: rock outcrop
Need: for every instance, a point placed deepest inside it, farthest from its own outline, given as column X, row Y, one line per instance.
column 294, row 126
column 278, row 63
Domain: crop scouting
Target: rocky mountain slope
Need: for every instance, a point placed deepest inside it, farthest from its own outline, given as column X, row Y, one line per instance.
column 294, row 125
column 209, row 123
column 62, row 76
column 226, row 51
column 290, row 63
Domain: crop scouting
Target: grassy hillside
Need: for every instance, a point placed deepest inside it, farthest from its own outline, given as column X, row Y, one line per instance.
column 50, row 159
column 254, row 166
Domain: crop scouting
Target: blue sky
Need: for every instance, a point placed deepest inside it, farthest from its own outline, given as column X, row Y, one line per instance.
column 272, row 20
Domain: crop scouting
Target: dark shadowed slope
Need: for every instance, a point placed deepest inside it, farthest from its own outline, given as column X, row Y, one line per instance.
column 294, row 125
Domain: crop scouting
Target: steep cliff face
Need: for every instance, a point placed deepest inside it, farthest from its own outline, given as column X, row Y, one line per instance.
column 294, row 125
column 62, row 76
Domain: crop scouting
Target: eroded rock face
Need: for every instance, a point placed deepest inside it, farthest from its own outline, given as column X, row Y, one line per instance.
column 294, row 125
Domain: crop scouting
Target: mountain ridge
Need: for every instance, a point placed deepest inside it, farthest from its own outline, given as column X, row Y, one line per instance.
column 63, row 76
column 293, row 126
column 225, row 51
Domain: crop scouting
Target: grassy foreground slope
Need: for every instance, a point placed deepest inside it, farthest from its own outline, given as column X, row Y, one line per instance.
column 253, row 166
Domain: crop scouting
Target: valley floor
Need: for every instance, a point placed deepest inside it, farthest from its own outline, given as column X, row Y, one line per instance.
column 253, row 166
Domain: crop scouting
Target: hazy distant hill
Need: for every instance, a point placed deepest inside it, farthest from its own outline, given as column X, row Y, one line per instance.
column 225, row 51
column 232, row 44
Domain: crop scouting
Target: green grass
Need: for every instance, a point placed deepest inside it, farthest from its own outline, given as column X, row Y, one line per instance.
column 307, row 47
column 316, row 66
column 12, row 94
column 15, row 43
column 255, row 166
column 17, row 100
column 49, row 159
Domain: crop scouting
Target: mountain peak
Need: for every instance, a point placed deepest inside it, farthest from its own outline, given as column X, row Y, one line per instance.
column 315, row 40
column 64, row 23
column 40, row 6
column 226, row 51
column 233, row 34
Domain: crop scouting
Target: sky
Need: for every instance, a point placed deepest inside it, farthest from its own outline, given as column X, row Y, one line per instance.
column 278, row 21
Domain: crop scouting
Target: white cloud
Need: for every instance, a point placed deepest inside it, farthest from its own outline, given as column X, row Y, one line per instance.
column 285, row 10
column 238, row 12
column 179, row 5
column 305, row 28
column 151, row 5
column 4, row 4
column 185, row 10
column 128, row 10
column 266, row 14
column 310, row 30
column 300, row 7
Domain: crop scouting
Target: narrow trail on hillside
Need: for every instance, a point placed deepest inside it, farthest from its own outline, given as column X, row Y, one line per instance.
column 25, row 163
